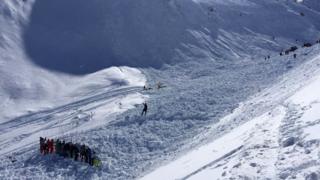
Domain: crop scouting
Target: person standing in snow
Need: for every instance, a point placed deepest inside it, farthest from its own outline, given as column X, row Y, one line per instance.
column 71, row 149
column 41, row 145
column 76, row 152
column 82, row 152
column 89, row 155
column 45, row 146
column 62, row 149
column 57, row 146
column 51, row 146
column 145, row 109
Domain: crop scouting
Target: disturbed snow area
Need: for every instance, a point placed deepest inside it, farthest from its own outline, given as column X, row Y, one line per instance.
column 281, row 143
column 210, row 55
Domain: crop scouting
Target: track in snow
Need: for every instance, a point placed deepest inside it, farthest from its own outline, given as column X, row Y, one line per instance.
column 259, row 126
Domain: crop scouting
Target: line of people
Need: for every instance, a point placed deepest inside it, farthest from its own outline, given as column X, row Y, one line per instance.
column 76, row 151
column 294, row 48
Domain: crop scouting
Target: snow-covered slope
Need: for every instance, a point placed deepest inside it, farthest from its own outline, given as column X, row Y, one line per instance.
column 282, row 143
column 26, row 87
column 58, row 77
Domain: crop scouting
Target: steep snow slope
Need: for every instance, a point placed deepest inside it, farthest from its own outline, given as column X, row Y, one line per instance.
column 209, row 54
column 26, row 87
column 277, row 144
column 154, row 33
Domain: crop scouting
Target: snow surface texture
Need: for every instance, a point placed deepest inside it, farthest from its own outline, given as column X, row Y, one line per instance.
column 209, row 54
column 282, row 143
column 26, row 87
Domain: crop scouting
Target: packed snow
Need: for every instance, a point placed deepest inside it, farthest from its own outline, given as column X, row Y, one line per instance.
column 231, row 106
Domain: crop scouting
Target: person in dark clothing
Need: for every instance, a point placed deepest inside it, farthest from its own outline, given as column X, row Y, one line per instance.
column 41, row 145
column 50, row 146
column 46, row 146
column 57, row 146
column 62, row 148
column 82, row 152
column 76, row 152
column 145, row 109
column 67, row 149
column 293, row 48
column 88, row 155
column 307, row 45
column 93, row 156
column 71, row 149
column 294, row 55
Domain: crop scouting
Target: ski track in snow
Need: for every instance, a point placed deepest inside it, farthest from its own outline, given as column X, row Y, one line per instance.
column 70, row 118
column 19, row 137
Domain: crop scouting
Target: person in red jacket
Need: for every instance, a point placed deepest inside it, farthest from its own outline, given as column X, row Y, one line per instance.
column 50, row 145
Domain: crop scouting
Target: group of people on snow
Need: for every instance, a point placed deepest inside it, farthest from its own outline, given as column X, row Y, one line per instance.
column 294, row 48
column 76, row 151
column 46, row 146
